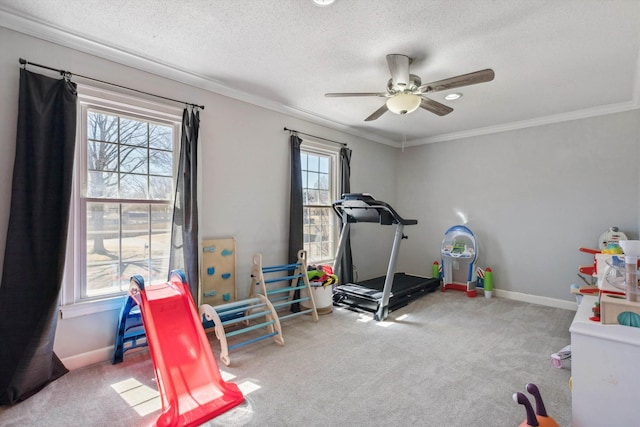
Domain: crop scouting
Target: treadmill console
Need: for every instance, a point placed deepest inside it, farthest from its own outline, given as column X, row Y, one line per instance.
column 362, row 207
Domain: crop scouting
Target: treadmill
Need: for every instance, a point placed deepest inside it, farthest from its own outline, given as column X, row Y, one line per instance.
column 381, row 294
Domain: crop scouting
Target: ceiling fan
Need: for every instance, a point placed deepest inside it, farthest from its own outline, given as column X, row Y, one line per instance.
column 405, row 91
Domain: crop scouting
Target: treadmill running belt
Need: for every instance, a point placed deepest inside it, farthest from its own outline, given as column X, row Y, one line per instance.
column 367, row 294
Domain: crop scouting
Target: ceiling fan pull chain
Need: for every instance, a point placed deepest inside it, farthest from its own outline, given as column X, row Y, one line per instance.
column 404, row 131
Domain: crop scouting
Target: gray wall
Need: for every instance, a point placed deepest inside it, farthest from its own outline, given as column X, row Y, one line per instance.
column 532, row 197
column 244, row 171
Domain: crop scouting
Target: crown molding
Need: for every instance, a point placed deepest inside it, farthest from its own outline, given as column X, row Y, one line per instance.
column 101, row 50
column 84, row 44
column 539, row 121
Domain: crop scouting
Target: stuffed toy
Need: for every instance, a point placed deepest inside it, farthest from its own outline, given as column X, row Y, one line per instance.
column 539, row 418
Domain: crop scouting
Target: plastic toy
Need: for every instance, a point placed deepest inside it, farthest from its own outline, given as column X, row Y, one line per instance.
column 539, row 417
column 322, row 273
column 608, row 243
column 435, row 270
column 459, row 251
column 613, row 235
column 558, row 358
column 485, row 281
column 217, row 271
column 130, row 331
column 488, row 282
column 612, row 248
column 190, row 385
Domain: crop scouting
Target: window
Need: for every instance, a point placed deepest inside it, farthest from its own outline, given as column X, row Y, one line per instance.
column 122, row 207
column 319, row 189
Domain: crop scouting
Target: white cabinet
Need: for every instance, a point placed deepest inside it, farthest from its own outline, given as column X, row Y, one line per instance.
column 605, row 370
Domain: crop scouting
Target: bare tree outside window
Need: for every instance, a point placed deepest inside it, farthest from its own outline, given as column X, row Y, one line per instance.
column 129, row 188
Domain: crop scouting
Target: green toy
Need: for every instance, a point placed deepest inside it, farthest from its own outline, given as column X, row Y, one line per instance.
column 322, row 274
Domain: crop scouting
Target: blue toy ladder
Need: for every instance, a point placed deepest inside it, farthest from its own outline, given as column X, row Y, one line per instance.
column 130, row 332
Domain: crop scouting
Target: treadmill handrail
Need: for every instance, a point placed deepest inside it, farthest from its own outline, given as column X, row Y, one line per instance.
column 367, row 202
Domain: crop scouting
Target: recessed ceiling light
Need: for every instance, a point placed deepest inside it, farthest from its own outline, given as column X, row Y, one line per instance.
column 323, row 3
column 453, row 96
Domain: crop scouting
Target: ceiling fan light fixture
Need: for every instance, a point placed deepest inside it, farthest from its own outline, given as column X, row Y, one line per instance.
column 403, row 103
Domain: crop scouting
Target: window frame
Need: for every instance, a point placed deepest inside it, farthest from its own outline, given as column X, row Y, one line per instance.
column 332, row 151
column 72, row 301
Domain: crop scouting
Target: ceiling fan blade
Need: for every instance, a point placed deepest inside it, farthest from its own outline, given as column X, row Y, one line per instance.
column 376, row 114
column 435, row 107
column 476, row 77
column 399, row 68
column 344, row 94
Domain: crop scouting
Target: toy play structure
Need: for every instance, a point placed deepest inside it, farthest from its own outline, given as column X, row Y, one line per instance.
column 219, row 308
column 608, row 243
column 459, row 253
column 218, row 271
column 258, row 317
column 539, row 418
column 189, row 381
column 381, row 294
column 239, row 317
column 282, row 284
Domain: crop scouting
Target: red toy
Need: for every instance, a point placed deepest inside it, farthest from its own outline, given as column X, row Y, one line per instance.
column 189, row 381
column 539, row 417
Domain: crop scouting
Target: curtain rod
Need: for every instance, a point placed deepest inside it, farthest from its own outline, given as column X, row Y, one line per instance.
column 314, row 136
column 69, row 74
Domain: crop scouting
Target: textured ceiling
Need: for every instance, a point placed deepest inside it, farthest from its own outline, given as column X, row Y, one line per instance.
column 553, row 60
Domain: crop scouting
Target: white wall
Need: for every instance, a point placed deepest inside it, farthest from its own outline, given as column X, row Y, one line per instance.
column 532, row 197
column 244, row 171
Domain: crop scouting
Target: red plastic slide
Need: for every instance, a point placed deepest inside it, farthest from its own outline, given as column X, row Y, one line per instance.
column 189, row 380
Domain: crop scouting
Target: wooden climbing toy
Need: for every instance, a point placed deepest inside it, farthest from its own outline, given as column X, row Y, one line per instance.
column 282, row 286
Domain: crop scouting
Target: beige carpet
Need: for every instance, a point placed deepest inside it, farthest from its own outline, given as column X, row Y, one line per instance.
column 444, row 360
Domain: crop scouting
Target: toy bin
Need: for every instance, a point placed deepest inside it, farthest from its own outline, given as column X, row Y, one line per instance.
column 323, row 296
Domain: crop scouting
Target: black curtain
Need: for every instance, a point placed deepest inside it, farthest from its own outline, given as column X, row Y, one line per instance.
column 184, row 231
column 37, row 235
column 296, row 227
column 346, row 264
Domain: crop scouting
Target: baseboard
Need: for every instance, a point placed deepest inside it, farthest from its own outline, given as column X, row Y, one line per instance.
column 88, row 358
column 535, row 299
column 105, row 354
